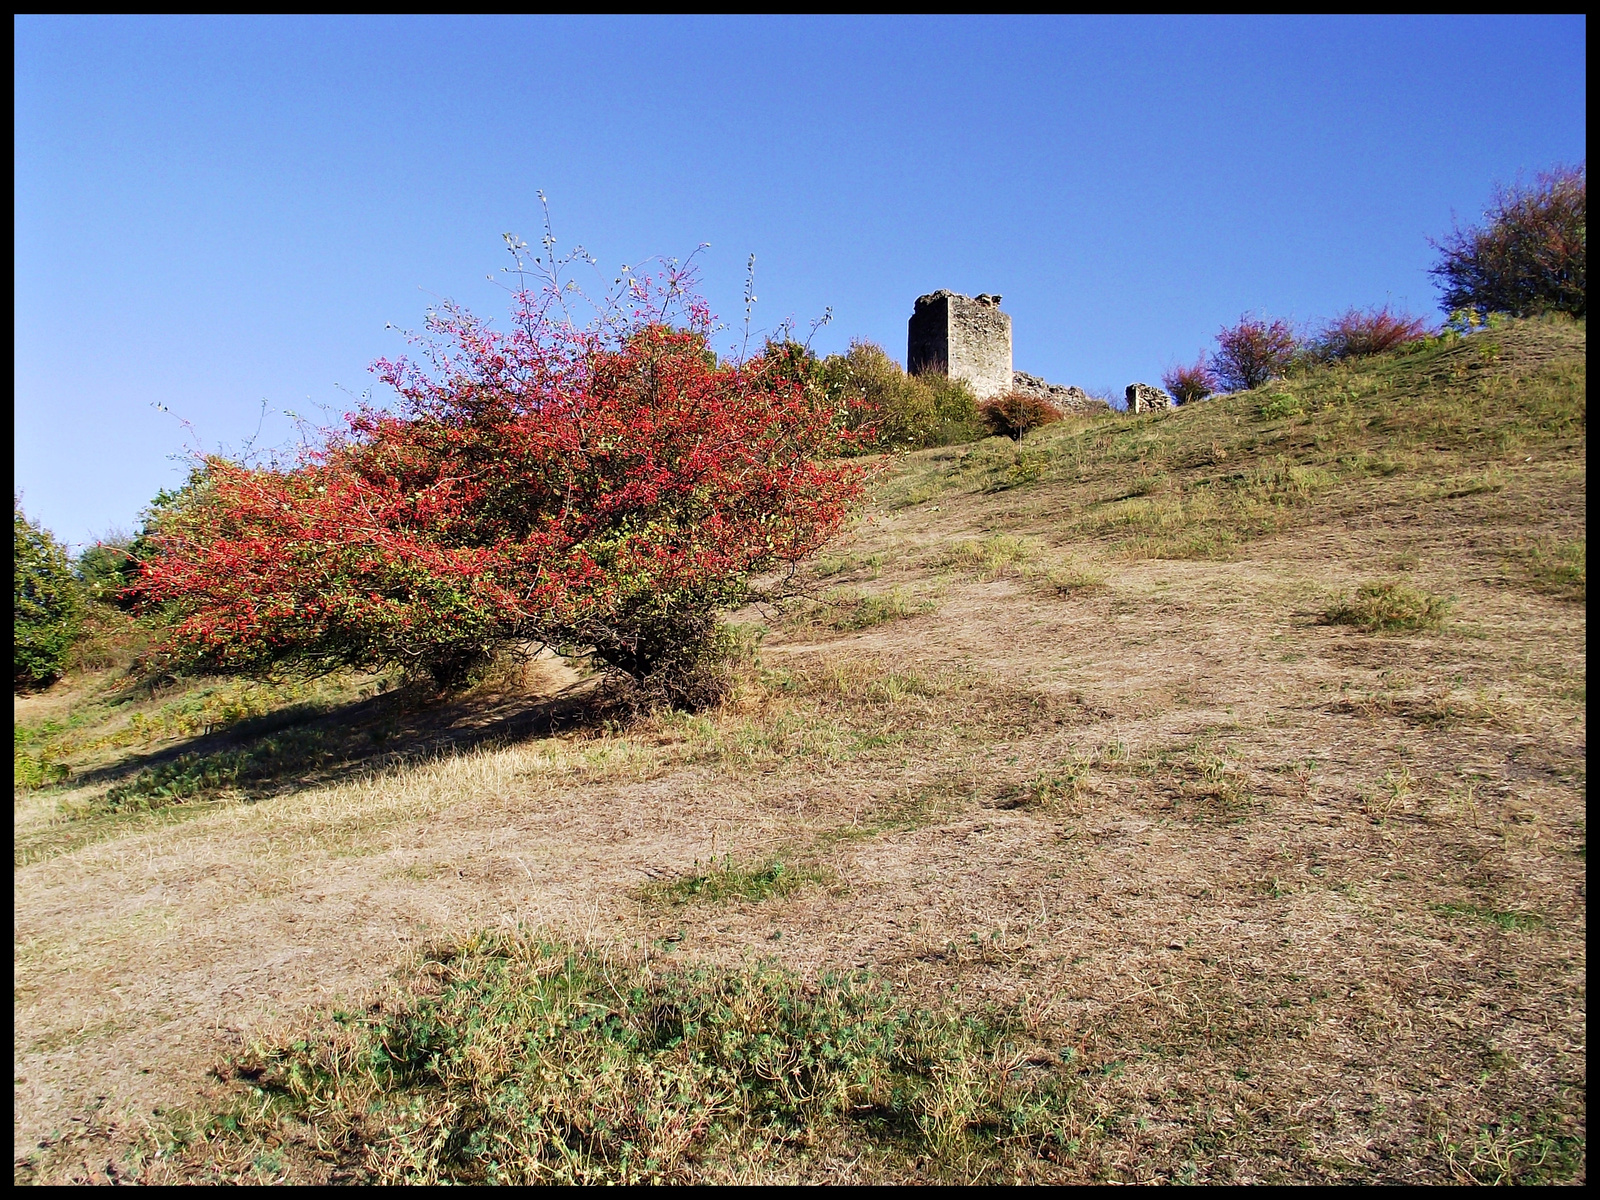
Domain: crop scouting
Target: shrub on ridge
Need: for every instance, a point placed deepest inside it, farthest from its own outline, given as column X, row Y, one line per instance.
column 1531, row 255
column 1359, row 333
column 1252, row 352
column 1186, row 384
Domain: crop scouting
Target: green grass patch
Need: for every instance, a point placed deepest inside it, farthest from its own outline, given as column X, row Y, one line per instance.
column 848, row 610
column 267, row 761
column 1389, row 607
column 518, row 1061
column 1278, row 405
column 1553, row 566
column 1508, row 919
column 31, row 770
column 726, row 881
column 990, row 557
column 1067, row 579
column 826, row 566
column 1524, row 1148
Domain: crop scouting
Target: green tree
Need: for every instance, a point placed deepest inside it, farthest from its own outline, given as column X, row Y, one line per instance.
column 49, row 608
column 105, row 568
column 108, row 570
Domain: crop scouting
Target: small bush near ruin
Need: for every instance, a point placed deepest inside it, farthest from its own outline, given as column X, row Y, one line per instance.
column 887, row 409
column 1017, row 413
column 1186, row 384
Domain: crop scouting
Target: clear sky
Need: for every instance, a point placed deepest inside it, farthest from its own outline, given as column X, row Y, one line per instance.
column 215, row 212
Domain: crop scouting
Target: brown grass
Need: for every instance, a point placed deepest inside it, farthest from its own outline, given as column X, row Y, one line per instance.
column 1261, row 897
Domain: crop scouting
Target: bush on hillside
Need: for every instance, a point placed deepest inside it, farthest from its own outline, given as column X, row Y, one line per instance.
column 1186, row 384
column 891, row 410
column 1017, row 413
column 1359, row 333
column 1252, row 352
column 604, row 489
column 1530, row 255
column 48, row 610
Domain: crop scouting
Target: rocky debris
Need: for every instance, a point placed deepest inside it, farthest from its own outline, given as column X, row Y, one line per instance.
column 987, row 299
column 1144, row 398
column 1067, row 399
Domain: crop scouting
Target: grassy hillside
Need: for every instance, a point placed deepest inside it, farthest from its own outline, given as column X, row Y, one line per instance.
column 1196, row 796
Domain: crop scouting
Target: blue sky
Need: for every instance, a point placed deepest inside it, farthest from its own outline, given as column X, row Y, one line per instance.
column 215, row 213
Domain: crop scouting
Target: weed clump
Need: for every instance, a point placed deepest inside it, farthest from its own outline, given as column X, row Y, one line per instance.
column 1252, row 352
column 1389, row 607
column 30, row 771
column 990, row 557
column 516, row 1061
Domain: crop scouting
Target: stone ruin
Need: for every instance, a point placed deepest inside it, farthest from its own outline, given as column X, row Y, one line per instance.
column 961, row 337
column 1067, row 399
column 969, row 338
column 1143, row 398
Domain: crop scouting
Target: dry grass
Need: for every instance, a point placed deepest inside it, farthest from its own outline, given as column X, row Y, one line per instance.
column 1219, row 891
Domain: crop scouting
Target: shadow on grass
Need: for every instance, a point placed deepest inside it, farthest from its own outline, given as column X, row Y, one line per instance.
column 300, row 747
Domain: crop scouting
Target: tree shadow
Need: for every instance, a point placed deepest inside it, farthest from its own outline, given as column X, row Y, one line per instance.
column 314, row 745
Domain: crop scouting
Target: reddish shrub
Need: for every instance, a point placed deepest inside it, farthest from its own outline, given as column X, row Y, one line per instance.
column 1015, row 413
column 603, row 489
column 1531, row 255
column 1359, row 333
column 1252, row 352
column 1186, row 384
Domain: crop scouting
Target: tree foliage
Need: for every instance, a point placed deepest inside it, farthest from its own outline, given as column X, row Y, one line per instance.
column 1252, row 352
column 48, row 609
column 603, row 487
column 1528, row 257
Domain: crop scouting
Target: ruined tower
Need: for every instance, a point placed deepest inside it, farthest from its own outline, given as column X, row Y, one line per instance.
column 963, row 337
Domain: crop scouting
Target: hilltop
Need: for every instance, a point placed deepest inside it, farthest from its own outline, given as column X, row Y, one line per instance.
column 1216, row 776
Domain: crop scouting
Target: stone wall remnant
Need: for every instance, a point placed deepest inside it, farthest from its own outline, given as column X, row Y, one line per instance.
column 1066, row 398
column 961, row 337
column 1144, row 398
